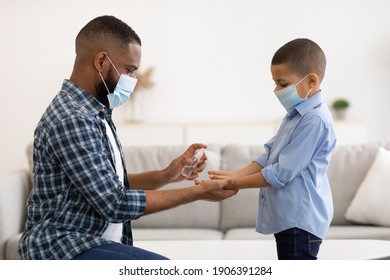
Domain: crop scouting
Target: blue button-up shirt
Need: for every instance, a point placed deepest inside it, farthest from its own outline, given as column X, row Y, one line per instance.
column 295, row 165
column 76, row 190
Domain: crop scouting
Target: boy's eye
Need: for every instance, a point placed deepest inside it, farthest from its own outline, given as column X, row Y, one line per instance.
column 281, row 84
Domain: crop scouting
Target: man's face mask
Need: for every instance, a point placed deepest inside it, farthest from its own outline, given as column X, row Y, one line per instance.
column 123, row 88
column 289, row 97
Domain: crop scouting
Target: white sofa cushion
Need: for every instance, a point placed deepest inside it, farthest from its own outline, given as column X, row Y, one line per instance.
column 358, row 232
column 371, row 202
column 246, row 234
column 14, row 190
column 11, row 248
column 347, row 170
column 142, row 234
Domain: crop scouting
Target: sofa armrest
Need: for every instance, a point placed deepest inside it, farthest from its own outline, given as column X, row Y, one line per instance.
column 14, row 191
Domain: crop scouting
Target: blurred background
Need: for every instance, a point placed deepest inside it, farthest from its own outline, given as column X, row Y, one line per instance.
column 210, row 60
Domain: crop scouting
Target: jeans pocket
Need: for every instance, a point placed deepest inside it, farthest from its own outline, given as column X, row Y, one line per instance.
column 314, row 245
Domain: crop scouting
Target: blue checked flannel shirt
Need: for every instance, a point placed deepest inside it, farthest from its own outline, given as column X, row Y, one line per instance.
column 76, row 191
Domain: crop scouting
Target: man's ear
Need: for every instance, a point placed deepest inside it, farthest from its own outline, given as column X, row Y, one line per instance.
column 100, row 61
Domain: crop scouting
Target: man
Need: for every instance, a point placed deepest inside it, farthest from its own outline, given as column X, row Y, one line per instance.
column 81, row 204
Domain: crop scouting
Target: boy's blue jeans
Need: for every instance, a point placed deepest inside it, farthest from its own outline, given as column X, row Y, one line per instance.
column 118, row 251
column 297, row 244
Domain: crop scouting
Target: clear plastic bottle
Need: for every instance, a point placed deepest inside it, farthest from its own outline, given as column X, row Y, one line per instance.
column 188, row 169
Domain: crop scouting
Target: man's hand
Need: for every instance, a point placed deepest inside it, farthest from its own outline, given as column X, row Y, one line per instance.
column 173, row 171
column 216, row 190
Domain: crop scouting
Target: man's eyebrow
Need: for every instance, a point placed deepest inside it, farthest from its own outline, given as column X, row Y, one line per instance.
column 131, row 66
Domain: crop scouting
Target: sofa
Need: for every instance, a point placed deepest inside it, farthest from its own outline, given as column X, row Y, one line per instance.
column 231, row 219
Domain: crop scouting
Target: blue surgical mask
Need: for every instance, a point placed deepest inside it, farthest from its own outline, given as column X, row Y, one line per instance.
column 289, row 97
column 123, row 88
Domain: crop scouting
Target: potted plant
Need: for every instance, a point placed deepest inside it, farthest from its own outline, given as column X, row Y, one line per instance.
column 340, row 107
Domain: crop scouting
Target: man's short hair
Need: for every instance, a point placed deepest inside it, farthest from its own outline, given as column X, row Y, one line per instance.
column 108, row 28
column 302, row 56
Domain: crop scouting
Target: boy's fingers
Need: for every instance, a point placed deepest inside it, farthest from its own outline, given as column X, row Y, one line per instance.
column 217, row 177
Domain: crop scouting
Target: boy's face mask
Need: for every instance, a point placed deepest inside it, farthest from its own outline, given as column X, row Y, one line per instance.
column 289, row 97
column 123, row 88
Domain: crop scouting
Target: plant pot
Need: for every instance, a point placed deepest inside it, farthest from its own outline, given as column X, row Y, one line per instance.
column 340, row 114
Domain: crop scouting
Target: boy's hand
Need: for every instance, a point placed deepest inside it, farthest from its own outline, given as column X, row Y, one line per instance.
column 223, row 175
column 213, row 174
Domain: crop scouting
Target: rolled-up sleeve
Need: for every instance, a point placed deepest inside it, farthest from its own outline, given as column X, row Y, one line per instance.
column 263, row 159
column 297, row 153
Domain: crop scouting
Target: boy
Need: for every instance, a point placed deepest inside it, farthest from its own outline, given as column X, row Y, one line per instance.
column 295, row 202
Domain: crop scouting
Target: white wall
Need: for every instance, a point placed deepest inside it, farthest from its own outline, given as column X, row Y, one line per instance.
column 211, row 58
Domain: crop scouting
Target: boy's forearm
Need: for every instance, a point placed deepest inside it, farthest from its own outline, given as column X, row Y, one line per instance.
column 256, row 180
column 250, row 169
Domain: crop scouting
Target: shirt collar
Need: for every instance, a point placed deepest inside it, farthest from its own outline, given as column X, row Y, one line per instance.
column 84, row 99
column 308, row 105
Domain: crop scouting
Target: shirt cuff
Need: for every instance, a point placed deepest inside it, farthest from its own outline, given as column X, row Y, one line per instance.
column 270, row 176
column 138, row 203
column 262, row 160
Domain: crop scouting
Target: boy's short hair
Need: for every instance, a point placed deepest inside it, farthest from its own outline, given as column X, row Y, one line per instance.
column 302, row 56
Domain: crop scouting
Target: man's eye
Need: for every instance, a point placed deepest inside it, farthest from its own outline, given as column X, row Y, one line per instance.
column 131, row 70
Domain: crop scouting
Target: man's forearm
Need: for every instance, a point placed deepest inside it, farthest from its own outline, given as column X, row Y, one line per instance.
column 165, row 199
column 212, row 190
column 150, row 180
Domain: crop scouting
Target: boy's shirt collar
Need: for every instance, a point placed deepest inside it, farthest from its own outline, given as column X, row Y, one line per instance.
column 307, row 105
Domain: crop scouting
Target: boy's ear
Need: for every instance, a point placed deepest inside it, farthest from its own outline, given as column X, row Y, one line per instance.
column 313, row 79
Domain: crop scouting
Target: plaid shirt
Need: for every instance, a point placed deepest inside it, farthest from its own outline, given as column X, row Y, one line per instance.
column 76, row 189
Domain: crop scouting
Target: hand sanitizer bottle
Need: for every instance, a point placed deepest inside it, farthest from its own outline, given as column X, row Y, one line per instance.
column 188, row 169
